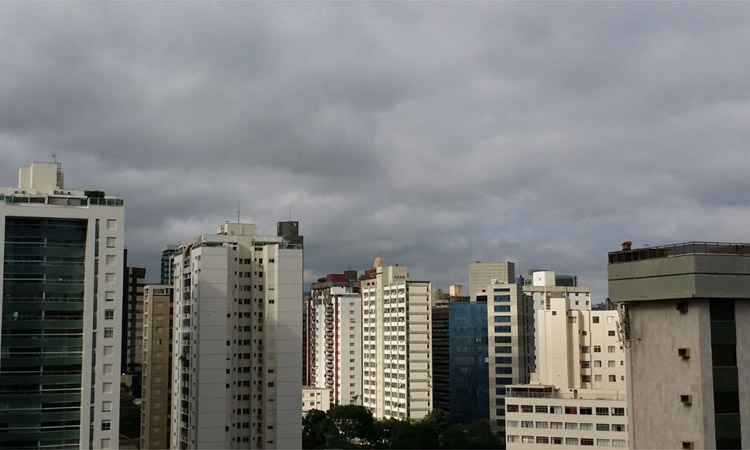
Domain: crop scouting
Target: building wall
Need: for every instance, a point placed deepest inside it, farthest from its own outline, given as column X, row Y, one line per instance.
column 238, row 343
column 507, row 317
column 157, row 364
column 482, row 273
column 348, row 379
column 397, row 358
column 316, row 398
column 99, row 395
column 441, row 360
column 468, row 394
column 560, row 423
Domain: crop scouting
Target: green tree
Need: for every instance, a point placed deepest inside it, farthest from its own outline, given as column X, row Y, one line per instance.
column 318, row 430
column 355, row 423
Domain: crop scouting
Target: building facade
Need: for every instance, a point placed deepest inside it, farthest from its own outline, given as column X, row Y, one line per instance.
column 508, row 315
column 237, row 341
column 167, row 265
column 337, row 338
column 685, row 309
column 468, row 363
column 61, row 307
column 157, row 367
column 316, row 398
column 396, row 336
column 132, row 332
column 482, row 273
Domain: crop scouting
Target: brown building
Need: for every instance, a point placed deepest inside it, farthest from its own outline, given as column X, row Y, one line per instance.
column 157, row 339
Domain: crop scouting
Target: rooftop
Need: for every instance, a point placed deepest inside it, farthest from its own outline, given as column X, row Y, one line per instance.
column 677, row 249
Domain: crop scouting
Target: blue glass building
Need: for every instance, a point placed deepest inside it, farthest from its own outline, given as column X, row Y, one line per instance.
column 468, row 369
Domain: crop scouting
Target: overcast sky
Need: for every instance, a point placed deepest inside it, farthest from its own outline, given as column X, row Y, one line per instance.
column 431, row 134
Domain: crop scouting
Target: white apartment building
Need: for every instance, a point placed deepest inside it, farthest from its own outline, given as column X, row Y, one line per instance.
column 237, row 341
column 396, row 353
column 481, row 273
column 61, row 308
column 316, row 398
column 508, row 315
column 541, row 416
column 577, row 393
column 338, row 343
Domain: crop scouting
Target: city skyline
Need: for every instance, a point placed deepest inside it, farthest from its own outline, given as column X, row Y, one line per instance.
column 541, row 134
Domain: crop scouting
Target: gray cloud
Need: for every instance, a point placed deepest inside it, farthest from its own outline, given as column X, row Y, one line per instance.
column 434, row 135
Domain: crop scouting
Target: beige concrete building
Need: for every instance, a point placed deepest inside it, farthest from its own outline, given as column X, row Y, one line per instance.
column 396, row 353
column 237, row 340
column 482, row 273
column 542, row 416
column 576, row 396
column 157, row 364
column 61, row 281
column 687, row 344
column 316, row 398
column 508, row 316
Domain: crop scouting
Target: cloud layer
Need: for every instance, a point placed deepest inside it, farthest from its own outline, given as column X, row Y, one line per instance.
column 432, row 134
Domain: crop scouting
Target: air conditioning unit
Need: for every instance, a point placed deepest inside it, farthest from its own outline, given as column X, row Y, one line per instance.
column 684, row 353
column 682, row 307
column 686, row 400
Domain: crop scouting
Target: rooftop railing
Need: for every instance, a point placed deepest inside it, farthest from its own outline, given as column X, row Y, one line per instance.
column 684, row 248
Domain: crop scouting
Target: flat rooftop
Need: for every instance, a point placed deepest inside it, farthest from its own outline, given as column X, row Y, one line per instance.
column 682, row 248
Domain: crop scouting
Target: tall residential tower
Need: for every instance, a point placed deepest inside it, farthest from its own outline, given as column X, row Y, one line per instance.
column 61, row 308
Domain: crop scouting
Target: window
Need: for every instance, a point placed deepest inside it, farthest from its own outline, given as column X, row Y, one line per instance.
column 540, row 409
column 557, row 440
column 111, row 224
column 511, row 408
column 585, row 378
column 498, row 298
column 502, row 319
column 602, row 427
column 611, row 333
column 527, row 408
column 107, row 369
column 602, row 411
column 502, row 329
column 511, row 423
column 503, row 360
column 107, row 406
column 542, row 440
column 502, row 308
column 556, row 410
column 571, row 441
column 571, row 410
column 595, row 319
column 620, row 443
column 555, row 425
column 611, row 349
column 502, row 339
column 109, row 278
column 602, row 442
column 618, row 411
column 613, row 378
column 106, row 425
column 109, row 314
column 585, row 364
column 109, row 260
column 109, row 332
column 527, row 424
column 597, row 349
column 505, row 350
column 587, row 442
column 571, row 426
column 504, row 370
column 111, row 242
column 611, row 363
column 107, row 387
column 584, row 349
column 586, row 427
column 597, row 363
column 108, row 350
column 597, row 378
column 109, row 296
column 618, row 427
column 542, row 425
column 585, row 411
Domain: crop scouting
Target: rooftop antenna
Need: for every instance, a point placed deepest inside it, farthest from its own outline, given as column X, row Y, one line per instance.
column 238, row 211
column 54, row 157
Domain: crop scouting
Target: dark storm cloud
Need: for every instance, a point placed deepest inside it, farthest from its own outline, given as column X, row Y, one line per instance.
column 433, row 135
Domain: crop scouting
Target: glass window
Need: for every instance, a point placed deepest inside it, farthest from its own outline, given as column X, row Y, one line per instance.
column 503, row 350
column 597, row 349
column 587, row 442
column 540, row 409
column 602, row 411
column 602, row 427
column 597, row 363
column 106, row 406
column 555, row 425
column 109, row 314
column 618, row 411
column 111, row 242
column 584, row 410
column 602, row 442
column 511, row 408
column 542, row 440
column 502, row 308
column 503, row 360
column 571, row 426
column 109, row 332
column 571, row 410
column 501, row 298
column 527, row 424
column 542, row 425
column 586, row 427
column 502, row 319
column 620, row 443
column 502, row 329
column 107, row 387
column 106, row 425
column 571, row 441
column 502, row 339
column 527, row 408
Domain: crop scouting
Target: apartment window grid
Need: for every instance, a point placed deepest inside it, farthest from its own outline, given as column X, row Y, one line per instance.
column 547, row 425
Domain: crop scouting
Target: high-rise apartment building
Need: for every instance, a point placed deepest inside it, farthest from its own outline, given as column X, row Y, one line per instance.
column 336, row 340
column 237, row 341
column 157, row 367
column 61, row 306
column 508, row 315
column 687, row 344
column 167, row 265
column 396, row 335
column 132, row 331
column 467, row 361
column 482, row 273
column 577, row 394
